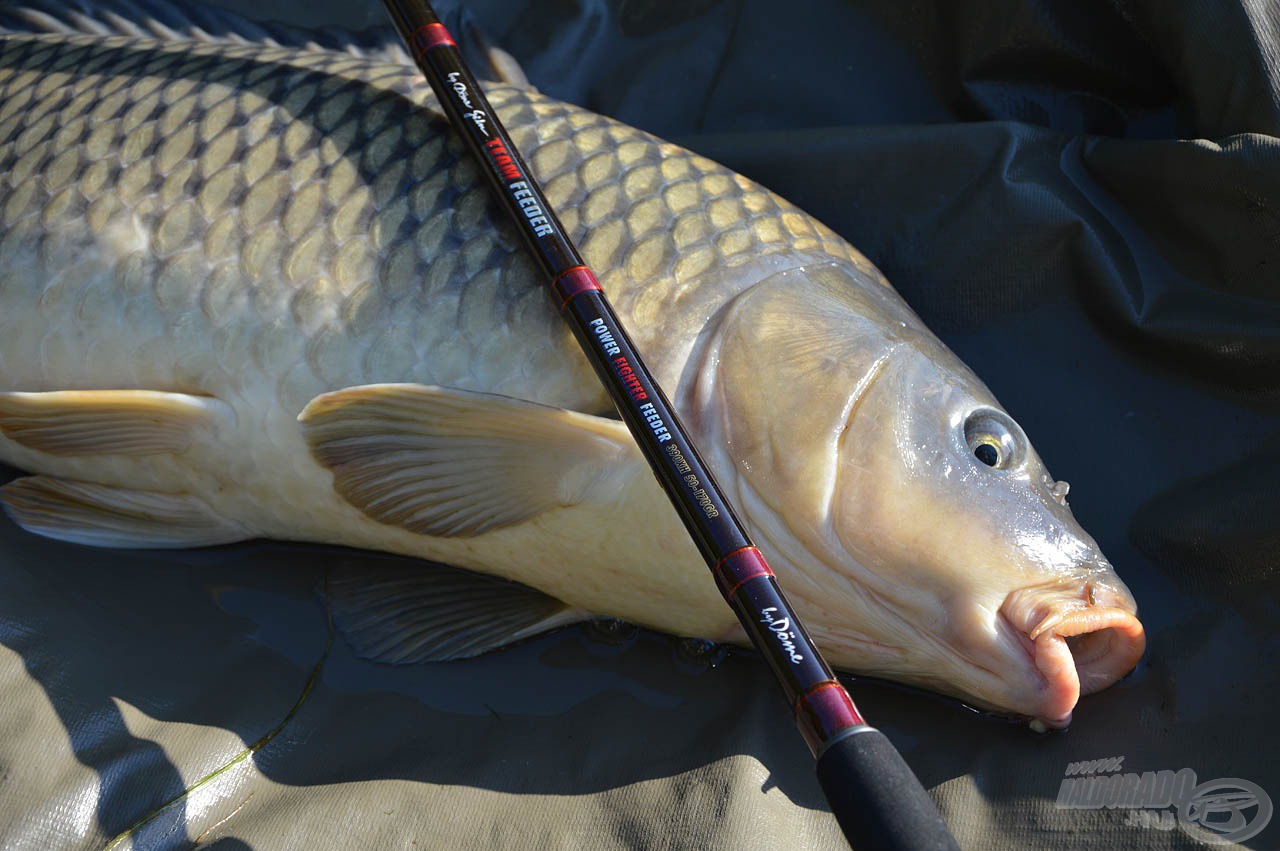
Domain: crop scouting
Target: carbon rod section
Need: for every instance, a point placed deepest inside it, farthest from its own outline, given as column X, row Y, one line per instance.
column 718, row 534
column 823, row 709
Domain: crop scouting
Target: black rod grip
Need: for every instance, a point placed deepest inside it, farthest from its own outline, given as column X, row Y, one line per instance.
column 876, row 797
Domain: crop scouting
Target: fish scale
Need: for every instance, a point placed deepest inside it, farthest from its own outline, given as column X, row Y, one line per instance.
column 306, row 187
column 253, row 291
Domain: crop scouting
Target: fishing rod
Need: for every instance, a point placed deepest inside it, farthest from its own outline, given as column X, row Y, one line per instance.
column 876, row 798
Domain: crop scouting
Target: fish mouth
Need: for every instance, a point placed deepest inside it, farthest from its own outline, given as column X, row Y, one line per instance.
column 1081, row 636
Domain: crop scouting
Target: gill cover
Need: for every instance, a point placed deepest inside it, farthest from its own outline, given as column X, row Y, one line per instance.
column 791, row 360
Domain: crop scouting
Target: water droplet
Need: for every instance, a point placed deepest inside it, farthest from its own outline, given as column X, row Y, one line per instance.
column 701, row 652
column 612, row 631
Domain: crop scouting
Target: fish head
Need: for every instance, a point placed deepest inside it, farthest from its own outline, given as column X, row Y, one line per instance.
column 905, row 511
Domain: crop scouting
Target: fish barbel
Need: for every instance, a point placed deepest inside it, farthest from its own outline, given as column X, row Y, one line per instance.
column 250, row 291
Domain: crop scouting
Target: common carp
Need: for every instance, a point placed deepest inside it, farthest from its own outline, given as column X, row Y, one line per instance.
column 250, row 291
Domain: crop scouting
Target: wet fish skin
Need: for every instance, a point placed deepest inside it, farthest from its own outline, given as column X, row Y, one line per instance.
column 251, row 223
column 233, row 236
column 308, row 175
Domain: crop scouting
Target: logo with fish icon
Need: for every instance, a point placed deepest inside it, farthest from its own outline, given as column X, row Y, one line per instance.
column 1218, row 811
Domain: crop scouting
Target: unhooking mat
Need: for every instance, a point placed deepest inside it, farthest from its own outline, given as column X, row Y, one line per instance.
column 1081, row 197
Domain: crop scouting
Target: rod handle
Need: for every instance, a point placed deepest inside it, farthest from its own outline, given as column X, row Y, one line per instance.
column 876, row 797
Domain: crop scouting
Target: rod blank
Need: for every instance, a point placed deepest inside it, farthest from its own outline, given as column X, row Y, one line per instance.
column 876, row 798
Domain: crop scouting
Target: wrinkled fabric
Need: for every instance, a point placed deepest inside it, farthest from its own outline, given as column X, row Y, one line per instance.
column 1082, row 198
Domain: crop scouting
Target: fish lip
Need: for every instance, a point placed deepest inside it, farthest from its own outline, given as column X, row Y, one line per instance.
column 1107, row 640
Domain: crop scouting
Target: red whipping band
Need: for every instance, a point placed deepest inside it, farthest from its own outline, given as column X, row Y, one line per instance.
column 738, row 567
column 426, row 37
column 572, row 282
column 823, row 711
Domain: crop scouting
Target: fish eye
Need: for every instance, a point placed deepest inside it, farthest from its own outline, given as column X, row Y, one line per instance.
column 993, row 438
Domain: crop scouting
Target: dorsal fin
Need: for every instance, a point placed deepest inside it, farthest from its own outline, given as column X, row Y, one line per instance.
column 161, row 19
column 167, row 21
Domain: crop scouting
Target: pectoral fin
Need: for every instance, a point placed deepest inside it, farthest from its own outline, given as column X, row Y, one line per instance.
column 447, row 462
column 106, row 516
column 107, row 422
column 425, row 612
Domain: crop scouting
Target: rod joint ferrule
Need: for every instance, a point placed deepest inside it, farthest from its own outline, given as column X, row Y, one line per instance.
column 823, row 712
column 571, row 282
column 428, row 36
column 739, row 567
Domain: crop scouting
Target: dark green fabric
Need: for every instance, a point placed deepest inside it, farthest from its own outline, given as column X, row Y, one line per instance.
column 1082, row 198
